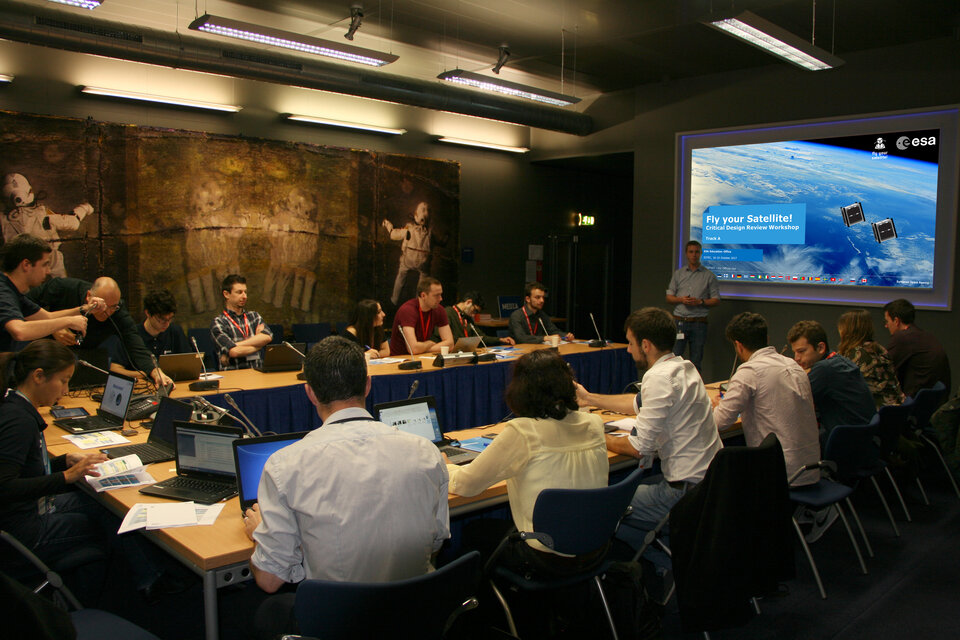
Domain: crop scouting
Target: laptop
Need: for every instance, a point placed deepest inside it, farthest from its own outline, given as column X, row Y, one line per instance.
column 249, row 455
column 280, row 357
column 181, row 366
column 159, row 446
column 112, row 411
column 205, row 468
column 466, row 344
column 85, row 377
column 419, row 417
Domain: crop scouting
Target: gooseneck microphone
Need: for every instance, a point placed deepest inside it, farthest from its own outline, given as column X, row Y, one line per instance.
column 252, row 428
column 294, row 349
column 599, row 342
column 413, row 364
column 203, row 384
column 478, row 335
column 413, row 388
column 92, row 366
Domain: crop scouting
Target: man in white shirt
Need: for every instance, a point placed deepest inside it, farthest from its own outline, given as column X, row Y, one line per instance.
column 771, row 394
column 674, row 419
column 355, row 500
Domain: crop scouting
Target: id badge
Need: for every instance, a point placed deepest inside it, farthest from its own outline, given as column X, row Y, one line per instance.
column 680, row 335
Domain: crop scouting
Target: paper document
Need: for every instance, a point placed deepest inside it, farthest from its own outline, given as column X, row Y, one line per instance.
column 160, row 515
column 122, row 472
column 386, row 360
column 623, row 423
column 96, row 440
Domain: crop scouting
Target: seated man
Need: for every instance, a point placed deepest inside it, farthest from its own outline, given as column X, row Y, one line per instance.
column 26, row 264
column 840, row 394
column 354, row 500
column 159, row 333
column 460, row 317
column 529, row 324
column 770, row 393
column 240, row 334
column 416, row 319
column 107, row 318
column 917, row 355
column 674, row 420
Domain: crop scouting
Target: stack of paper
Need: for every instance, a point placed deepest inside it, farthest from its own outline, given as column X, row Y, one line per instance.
column 163, row 515
column 96, row 440
column 122, row 472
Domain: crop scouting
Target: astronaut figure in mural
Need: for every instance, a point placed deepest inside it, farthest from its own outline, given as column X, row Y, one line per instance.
column 294, row 243
column 212, row 245
column 414, row 240
column 27, row 215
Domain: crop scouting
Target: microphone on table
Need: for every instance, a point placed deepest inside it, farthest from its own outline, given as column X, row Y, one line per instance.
column 413, row 364
column 161, row 389
column 294, row 349
column 202, row 384
column 413, row 388
column 93, row 366
column 599, row 342
column 252, row 428
column 478, row 335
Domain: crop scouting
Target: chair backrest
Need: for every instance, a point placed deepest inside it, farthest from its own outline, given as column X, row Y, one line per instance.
column 311, row 333
column 583, row 520
column 277, row 330
column 416, row 607
column 211, row 355
column 852, row 447
column 926, row 402
column 891, row 421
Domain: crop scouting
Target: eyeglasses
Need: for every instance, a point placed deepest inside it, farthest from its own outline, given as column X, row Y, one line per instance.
column 115, row 307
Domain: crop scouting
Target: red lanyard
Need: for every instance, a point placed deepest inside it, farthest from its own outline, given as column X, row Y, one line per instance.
column 532, row 328
column 463, row 322
column 245, row 330
column 425, row 324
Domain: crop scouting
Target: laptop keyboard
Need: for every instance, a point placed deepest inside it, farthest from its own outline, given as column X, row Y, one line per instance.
column 205, row 486
column 455, row 453
column 147, row 452
column 141, row 408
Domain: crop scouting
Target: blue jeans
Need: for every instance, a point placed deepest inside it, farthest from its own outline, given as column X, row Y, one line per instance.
column 652, row 501
column 694, row 334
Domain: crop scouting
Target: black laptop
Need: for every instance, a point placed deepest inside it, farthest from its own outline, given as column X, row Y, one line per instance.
column 280, row 357
column 159, row 447
column 205, row 468
column 419, row 417
column 250, row 454
column 113, row 408
column 86, row 377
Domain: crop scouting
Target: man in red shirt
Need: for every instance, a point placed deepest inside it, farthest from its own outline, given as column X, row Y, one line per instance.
column 417, row 318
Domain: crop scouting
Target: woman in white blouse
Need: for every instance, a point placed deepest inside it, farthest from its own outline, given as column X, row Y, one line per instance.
column 549, row 445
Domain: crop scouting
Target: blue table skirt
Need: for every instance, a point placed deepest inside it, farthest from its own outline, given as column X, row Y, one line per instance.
column 466, row 395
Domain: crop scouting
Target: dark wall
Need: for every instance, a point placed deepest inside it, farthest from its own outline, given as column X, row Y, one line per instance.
column 917, row 76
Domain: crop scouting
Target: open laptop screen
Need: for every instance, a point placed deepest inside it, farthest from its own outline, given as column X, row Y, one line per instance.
column 116, row 395
column 205, row 449
column 250, row 455
column 416, row 415
column 168, row 411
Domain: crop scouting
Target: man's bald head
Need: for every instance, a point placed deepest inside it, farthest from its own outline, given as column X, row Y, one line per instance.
column 108, row 290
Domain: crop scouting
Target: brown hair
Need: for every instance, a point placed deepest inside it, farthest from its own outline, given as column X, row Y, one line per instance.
column 47, row 355
column 855, row 328
column 812, row 330
column 542, row 386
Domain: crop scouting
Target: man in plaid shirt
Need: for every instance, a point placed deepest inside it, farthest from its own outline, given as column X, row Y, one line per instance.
column 239, row 334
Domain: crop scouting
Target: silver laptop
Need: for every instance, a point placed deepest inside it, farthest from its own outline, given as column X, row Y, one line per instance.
column 112, row 411
column 182, row 366
column 466, row 344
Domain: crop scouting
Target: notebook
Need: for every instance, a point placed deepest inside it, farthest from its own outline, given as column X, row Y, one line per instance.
column 280, row 357
column 205, row 468
column 159, row 446
column 181, row 366
column 112, row 410
column 249, row 455
column 419, row 417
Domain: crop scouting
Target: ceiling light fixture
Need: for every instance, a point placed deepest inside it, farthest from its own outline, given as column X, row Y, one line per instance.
column 482, row 145
column 502, row 59
column 147, row 97
column 83, row 4
column 497, row 85
column 356, row 19
column 5, row 78
column 765, row 35
column 287, row 40
column 327, row 122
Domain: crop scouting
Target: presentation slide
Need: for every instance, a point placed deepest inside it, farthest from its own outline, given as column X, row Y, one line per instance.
column 852, row 211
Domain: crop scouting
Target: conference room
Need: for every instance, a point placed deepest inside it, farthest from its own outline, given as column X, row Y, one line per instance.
column 592, row 207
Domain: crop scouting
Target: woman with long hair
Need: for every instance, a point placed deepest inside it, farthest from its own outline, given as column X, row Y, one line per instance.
column 366, row 329
column 857, row 344
column 550, row 444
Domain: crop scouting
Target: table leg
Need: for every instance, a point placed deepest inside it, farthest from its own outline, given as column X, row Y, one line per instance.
column 211, row 623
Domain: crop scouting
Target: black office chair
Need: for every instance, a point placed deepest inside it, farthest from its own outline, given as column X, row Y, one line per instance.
column 891, row 421
column 311, row 333
column 422, row 607
column 926, row 402
column 277, row 330
column 89, row 624
column 598, row 513
column 211, row 354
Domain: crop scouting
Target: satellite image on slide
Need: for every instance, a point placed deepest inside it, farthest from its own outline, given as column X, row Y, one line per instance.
column 817, row 180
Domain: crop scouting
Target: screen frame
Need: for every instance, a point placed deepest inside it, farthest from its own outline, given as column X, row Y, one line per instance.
column 946, row 118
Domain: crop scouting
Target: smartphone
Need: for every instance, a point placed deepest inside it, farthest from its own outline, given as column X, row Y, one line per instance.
column 68, row 412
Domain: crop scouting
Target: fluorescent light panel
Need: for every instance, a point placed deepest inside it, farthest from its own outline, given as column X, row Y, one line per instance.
column 346, row 125
column 83, row 4
column 287, row 40
column 5, row 78
column 765, row 35
column 486, row 83
column 147, row 97
column 482, row 145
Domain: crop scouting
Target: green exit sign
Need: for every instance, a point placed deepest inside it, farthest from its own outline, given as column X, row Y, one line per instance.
column 585, row 221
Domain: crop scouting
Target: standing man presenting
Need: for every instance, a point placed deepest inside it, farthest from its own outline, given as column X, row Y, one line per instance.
column 529, row 324
column 418, row 317
column 26, row 263
column 240, row 334
column 693, row 289
column 674, row 420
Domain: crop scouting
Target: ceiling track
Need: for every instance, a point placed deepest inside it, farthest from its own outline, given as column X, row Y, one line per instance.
column 82, row 34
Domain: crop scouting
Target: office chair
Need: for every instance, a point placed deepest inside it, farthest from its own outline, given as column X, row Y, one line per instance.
column 824, row 493
column 89, row 624
column 211, row 354
column 277, row 330
column 926, row 402
column 891, row 421
column 598, row 514
column 311, row 333
column 422, row 607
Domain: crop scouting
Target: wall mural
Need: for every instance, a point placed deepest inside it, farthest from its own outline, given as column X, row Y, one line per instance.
column 313, row 228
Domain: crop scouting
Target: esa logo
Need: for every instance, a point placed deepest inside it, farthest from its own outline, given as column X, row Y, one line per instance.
column 905, row 142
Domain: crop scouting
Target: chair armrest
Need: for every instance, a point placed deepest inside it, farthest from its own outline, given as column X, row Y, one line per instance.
column 492, row 560
column 543, row 538
column 828, row 466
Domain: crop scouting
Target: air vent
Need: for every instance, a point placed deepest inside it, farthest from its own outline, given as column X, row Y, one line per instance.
column 116, row 34
column 252, row 57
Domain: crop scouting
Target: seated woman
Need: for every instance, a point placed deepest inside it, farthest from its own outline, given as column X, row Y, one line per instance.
column 366, row 329
column 857, row 344
column 549, row 445
column 37, row 503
